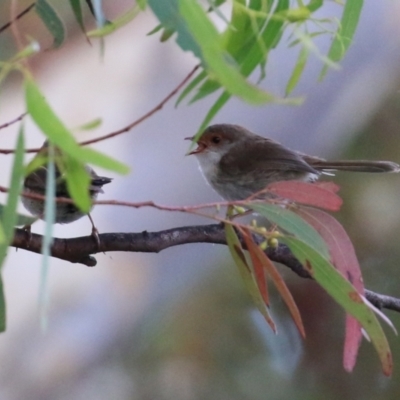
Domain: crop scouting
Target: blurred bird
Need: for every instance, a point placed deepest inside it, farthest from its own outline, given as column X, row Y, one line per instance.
column 35, row 183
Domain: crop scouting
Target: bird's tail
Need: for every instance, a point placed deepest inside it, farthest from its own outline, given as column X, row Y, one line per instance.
column 356, row 166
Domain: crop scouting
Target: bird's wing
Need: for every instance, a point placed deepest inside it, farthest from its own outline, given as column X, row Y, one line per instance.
column 266, row 156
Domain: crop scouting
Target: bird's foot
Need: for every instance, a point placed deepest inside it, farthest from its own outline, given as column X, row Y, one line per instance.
column 28, row 232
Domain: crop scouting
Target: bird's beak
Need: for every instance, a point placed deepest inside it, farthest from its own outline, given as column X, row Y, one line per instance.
column 199, row 149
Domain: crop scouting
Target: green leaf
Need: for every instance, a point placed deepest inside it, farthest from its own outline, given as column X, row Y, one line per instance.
column 166, row 34
column 236, row 251
column 212, row 53
column 291, row 223
column 3, row 308
column 78, row 182
column 142, row 4
column 191, row 86
column 221, row 101
column 60, row 136
column 91, row 156
column 91, row 125
column 251, row 51
column 343, row 39
column 196, row 33
column 111, row 26
column 77, row 10
column 297, row 71
column 345, row 294
column 155, row 30
column 314, row 5
column 9, row 216
column 52, row 21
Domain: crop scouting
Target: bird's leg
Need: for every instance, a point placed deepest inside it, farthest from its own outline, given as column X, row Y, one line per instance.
column 27, row 230
column 95, row 232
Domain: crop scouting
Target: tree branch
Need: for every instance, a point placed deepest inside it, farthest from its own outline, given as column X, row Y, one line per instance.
column 79, row 250
column 17, row 17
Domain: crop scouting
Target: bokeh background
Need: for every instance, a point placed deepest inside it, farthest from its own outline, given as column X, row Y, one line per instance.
column 178, row 324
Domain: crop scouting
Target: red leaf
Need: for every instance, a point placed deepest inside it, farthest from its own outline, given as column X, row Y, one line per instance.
column 281, row 287
column 257, row 264
column 313, row 194
column 344, row 258
column 332, row 187
column 352, row 343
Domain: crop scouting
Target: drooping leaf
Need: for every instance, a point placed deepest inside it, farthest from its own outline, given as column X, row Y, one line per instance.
column 314, row 5
column 291, row 223
column 348, row 24
column 297, row 71
column 196, row 81
column 212, row 54
column 77, row 10
column 52, row 21
column 3, row 306
column 142, row 4
column 249, row 50
column 259, row 273
column 78, row 182
column 345, row 294
column 259, row 256
column 196, row 33
column 166, row 34
column 9, row 216
column 212, row 112
column 238, row 256
column 111, row 26
column 307, row 193
column 344, row 258
column 91, row 125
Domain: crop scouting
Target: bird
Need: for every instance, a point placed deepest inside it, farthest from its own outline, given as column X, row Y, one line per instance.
column 238, row 163
column 65, row 213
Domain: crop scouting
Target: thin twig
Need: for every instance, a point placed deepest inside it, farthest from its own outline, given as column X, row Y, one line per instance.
column 17, row 17
column 13, row 121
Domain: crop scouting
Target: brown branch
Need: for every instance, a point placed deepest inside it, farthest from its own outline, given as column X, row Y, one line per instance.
column 79, row 250
column 127, row 128
column 13, row 121
column 17, row 17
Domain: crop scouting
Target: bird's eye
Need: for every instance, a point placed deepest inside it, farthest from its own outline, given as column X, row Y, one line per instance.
column 216, row 139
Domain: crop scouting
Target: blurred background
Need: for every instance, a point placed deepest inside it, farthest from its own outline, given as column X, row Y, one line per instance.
column 179, row 324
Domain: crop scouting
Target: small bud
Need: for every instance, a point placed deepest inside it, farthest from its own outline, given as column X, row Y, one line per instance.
column 264, row 245
column 273, row 242
column 263, row 230
column 239, row 210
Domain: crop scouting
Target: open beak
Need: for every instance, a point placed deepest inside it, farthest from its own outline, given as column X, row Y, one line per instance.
column 200, row 147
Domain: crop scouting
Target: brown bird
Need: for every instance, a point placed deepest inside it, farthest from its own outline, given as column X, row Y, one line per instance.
column 238, row 163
